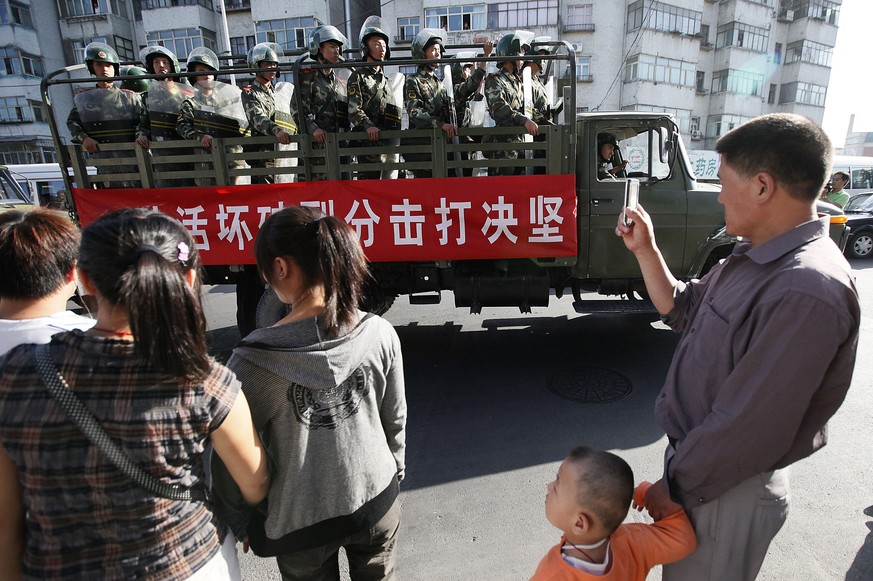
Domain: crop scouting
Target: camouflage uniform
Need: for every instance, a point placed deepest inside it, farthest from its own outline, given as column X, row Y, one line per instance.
column 369, row 92
column 218, row 113
column 427, row 105
column 465, row 92
column 162, row 102
column 503, row 92
column 266, row 117
column 109, row 115
column 324, row 106
column 542, row 110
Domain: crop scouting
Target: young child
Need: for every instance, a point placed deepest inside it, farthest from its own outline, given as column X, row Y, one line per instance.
column 588, row 501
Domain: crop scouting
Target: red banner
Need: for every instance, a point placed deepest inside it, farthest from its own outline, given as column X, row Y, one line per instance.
column 396, row 220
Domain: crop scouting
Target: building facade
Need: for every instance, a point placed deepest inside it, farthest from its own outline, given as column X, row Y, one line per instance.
column 712, row 63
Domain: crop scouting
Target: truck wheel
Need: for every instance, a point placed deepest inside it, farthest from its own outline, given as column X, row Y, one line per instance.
column 860, row 244
column 270, row 309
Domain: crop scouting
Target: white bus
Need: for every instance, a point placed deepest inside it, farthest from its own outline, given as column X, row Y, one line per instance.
column 860, row 169
column 43, row 182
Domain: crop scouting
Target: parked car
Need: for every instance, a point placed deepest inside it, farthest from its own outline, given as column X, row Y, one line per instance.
column 859, row 214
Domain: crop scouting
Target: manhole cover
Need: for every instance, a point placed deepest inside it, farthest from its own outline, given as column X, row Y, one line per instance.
column 590, row 385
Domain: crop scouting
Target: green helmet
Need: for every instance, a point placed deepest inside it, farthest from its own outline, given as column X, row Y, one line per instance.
column 102, row 53
column 373, row 26
column 535, row 52
column 323, row 34
column 204, row 56
column 514, row 44
column 134, row 83
column 461, row 61
column 148, row 54
column 425, row 38
column 264, row 51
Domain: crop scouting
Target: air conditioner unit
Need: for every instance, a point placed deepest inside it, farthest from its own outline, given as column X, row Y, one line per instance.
column 786, row 16
column 577, row 47
column 696, row 135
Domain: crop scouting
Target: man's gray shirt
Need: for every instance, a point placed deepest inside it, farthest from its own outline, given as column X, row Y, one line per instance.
column 765, row 359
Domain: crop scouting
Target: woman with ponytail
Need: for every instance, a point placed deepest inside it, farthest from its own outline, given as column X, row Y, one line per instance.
column 143, row 372
column 325, row 385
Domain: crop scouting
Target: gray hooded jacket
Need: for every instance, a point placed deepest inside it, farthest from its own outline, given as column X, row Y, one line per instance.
column 332, row 414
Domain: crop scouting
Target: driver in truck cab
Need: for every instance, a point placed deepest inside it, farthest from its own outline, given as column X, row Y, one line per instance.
column 608, row 166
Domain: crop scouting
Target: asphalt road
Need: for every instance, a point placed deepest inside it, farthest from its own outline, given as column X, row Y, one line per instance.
column 486, row 434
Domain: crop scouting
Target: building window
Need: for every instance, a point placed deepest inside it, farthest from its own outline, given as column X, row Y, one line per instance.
column 16, row 63
column 237, row 4
column 809, row 52
column 155, row 4
column 522, row 14
column 700, row 81
column 583, row 69
column 17, row 13
column 804, row 93
column 777, row 53
column 826, row 10
column 717, row 125
column 694, row 124
column 15, row 110
column 660, row 16
column 124, row 48
column 645, row 67
column 408, row 70
column 37, row 110
column 704, row 34
column 771, row 94
column 70, row 8
column 407, row 28
column 456, row 18
column 240, row 46
column 742, row 36
column 740, row 82
column 181, row 41
column 580, row 17
column 288, row 33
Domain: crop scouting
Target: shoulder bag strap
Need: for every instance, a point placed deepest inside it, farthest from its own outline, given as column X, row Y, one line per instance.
column 85, row 421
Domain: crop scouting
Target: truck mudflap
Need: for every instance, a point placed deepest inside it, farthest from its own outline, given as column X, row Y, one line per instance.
column 397, row 220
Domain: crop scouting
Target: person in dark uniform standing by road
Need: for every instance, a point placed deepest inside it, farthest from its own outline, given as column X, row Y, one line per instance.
column 266, row 114
column 107, row 114
column 503, row 92
column 428, row 104
column 371, row 99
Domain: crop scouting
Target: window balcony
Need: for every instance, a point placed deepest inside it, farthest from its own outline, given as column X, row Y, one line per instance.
column 580, row 27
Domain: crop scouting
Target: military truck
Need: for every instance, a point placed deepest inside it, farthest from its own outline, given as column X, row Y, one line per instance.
column 513, row 240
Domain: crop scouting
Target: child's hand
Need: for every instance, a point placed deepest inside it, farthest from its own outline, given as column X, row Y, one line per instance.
column 639, row 501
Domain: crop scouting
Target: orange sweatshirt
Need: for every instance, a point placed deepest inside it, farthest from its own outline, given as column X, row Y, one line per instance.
column 635, row 549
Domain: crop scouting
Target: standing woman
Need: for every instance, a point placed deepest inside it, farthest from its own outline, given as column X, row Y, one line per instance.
column 144, row 373
column 326, row 388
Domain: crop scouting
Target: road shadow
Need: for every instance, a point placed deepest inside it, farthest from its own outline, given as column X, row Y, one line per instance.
column 479, row 401
column 862, row 567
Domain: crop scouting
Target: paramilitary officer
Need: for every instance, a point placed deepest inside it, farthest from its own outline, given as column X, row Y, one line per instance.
column 503, row 93
column 107, row 114
column 427, row 101
column 542, row 109
column 267, row 115
column 467, row 79
column 163, row 101
column 215, row 110
column 371, row 98
column 322, row 94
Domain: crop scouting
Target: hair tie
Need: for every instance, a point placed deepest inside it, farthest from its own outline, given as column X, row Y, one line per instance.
column 143, row 248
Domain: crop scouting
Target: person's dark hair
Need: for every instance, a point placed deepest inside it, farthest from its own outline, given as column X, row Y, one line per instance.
column 791, row 148
column 328, row 252
column 606, row 486
column 138, row 260
column 38, row 250
column 843, row 175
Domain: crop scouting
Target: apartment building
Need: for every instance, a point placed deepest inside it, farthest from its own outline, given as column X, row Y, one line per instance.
column 712, row 63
